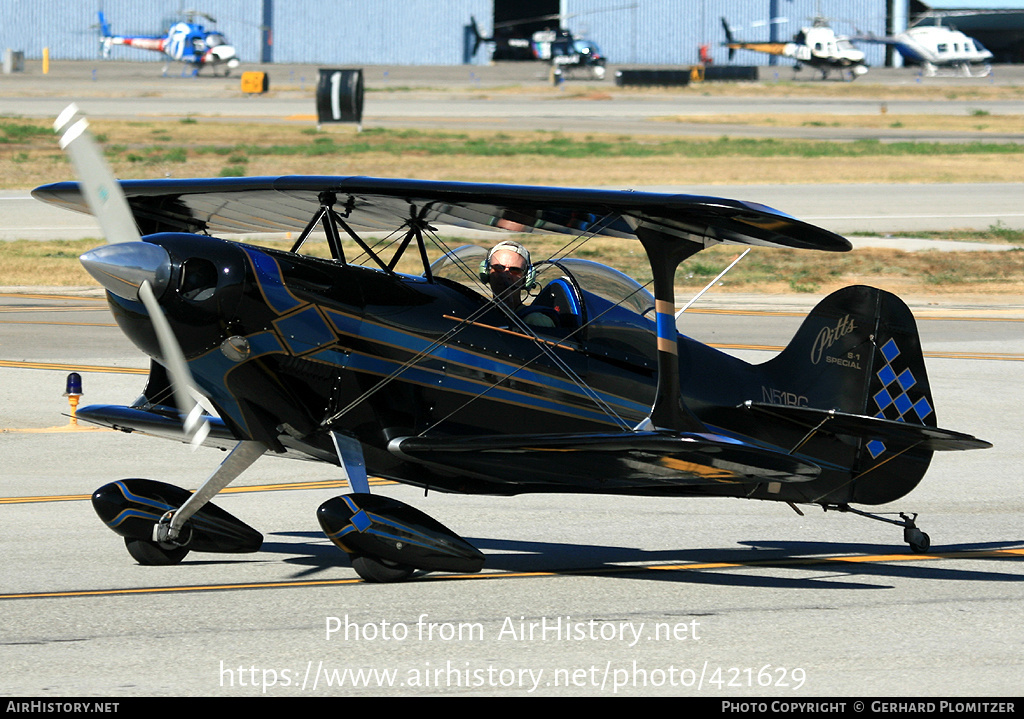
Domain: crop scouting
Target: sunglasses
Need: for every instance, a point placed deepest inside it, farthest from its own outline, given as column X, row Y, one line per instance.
column 514, row 271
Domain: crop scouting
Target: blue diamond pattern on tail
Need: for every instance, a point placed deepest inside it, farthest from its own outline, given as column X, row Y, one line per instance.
column 893, row 400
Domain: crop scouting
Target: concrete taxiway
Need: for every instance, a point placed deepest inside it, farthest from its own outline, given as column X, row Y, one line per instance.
column 595, row 596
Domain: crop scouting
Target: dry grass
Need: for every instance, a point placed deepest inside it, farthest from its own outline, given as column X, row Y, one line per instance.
column 50, row 263
column 977, row 123
column 208, row 148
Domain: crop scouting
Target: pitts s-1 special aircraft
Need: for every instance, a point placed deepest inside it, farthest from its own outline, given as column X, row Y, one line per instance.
column 424, row 379
column 187, row 42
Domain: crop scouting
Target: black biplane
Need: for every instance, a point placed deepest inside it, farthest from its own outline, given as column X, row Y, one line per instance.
column 424, row 379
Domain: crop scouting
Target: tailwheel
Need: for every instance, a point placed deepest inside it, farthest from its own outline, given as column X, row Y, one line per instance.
column 381, row 571
column 154, row 554
column 919, row 541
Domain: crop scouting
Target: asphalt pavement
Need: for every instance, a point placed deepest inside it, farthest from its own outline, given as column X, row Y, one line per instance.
column 581, row 596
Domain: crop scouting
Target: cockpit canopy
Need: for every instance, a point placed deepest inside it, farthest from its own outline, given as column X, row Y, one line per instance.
column 591, row 302
column 465, row 265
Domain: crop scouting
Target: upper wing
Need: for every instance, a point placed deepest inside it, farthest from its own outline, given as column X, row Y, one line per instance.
column 286, row 204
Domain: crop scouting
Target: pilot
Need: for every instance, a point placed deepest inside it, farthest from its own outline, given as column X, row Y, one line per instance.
column 509, row 272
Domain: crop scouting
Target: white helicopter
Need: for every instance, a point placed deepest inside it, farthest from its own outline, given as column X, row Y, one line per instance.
column 816, row 45
column 939, row 49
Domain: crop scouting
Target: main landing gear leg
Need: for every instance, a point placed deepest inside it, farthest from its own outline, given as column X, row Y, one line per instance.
column 162, row 523
column 919, row 541
column 371, row 569
column 168, row 530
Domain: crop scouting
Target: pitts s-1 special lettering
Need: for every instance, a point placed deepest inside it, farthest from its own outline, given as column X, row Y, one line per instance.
column 828, row 336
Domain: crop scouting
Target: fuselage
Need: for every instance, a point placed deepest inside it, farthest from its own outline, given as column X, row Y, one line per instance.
column 939, row 46
column 289, row 348
column 184, row 42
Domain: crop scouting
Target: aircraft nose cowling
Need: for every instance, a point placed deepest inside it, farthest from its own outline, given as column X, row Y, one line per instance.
column 122, row 267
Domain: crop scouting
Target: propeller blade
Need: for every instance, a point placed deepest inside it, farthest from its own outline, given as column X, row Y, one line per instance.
column 109, row 205
column 196, row 425
column 101, row 190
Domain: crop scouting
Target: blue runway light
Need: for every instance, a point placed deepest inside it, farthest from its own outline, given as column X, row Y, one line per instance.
column 73, row 390
column 74, row 384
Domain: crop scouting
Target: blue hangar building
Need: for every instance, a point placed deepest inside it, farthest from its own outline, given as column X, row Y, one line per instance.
column 431, row 32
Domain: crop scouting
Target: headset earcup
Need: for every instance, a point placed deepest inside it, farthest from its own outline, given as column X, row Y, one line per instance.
column 483, row 269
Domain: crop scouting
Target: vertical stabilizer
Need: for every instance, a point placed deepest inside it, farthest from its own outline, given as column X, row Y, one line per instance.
column 858, row 352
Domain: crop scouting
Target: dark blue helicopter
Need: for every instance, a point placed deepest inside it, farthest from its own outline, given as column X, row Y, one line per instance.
column 424, row 379
column 565, row 51
column 186, row 42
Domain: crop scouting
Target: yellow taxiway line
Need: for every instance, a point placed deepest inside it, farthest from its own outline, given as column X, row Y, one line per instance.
column 602, row 570
column 15, row 364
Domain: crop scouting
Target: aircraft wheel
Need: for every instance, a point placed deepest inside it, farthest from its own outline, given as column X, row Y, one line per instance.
column 151, row 554
column 919, row 541
column 380, row 570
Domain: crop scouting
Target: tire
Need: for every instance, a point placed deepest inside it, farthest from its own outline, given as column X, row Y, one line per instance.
column 380, row 571
column 151, row 554
column 919, row 541
column 922, row 544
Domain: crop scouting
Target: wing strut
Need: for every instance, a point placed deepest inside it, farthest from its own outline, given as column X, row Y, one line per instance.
column 332, row 220
column 665, row 254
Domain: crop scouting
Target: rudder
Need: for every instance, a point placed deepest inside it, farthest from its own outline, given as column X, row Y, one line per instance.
column 859, row 352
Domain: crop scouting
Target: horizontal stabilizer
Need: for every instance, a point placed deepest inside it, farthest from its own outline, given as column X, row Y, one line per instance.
column 606, row 462
column 833, row 422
